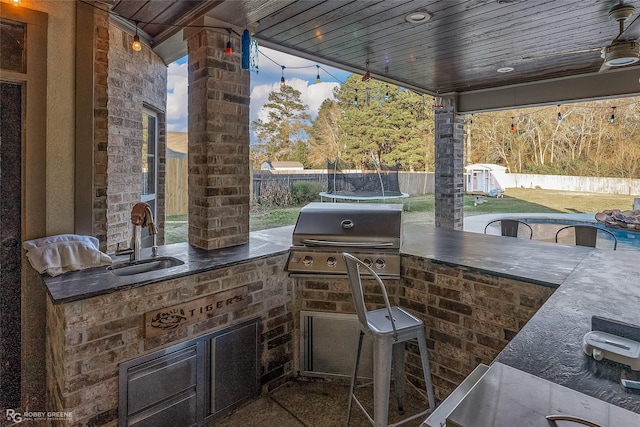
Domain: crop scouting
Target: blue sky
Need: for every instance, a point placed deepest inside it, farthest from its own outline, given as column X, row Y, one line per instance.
column 299, row 73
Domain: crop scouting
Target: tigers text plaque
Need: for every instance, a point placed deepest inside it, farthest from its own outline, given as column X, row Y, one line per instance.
column 165, row 319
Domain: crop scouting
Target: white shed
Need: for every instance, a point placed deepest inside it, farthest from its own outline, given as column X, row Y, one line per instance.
column 485, row 178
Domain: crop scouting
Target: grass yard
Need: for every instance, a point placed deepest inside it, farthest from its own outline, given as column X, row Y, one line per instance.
column 515, row 200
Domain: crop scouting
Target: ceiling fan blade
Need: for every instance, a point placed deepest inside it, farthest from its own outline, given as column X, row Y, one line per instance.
column 555, row 54
column 632, row 32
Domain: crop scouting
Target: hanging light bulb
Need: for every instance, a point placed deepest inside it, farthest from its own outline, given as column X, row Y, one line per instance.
column 229, row 49
column 355, row 100
column 282, row 83
column 612, row 119
column 512, row 125
column 367, row 75
column 559, row 114
column 318, row 74
column 136, row 45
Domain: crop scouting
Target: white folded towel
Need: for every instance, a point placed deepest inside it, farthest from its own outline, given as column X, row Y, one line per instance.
column 65, row 252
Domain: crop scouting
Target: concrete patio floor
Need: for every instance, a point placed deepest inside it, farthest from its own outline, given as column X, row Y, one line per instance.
column 315, row 402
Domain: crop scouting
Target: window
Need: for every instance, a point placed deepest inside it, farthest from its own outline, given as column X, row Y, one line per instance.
column 149, row 176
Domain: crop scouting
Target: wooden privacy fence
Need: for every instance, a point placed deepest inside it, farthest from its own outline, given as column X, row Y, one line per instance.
column 177, row 186
column 413, row 183
column 262, row 179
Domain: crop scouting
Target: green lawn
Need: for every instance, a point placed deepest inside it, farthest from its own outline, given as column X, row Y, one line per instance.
column 515, row 200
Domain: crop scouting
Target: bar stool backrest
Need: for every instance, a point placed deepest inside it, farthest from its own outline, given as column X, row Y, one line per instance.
column 353, row 271
column 587, row 235
column 510, row 227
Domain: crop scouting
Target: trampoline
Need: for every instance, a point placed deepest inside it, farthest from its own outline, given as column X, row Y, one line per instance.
column 379, row 184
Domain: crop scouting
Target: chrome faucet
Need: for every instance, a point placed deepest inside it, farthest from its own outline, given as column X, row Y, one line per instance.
column 141, row 216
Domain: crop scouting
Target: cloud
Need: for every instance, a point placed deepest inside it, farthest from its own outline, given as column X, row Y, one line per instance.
column 312, row 95
column 177, row 97
column 299, row 73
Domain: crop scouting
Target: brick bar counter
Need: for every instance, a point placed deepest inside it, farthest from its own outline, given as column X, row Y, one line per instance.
column 524, row 303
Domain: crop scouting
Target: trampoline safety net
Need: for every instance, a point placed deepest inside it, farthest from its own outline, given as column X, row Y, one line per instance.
column 382, row 182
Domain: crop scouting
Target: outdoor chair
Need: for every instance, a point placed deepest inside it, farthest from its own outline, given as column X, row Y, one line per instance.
column 511, row 227
column 389, row 328
column 587, row 235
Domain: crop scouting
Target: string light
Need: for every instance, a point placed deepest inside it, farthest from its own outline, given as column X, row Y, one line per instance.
column 355, row 100
column 282, row 83
column 512, row 125
column 367, row 75
column 136, row 45
column 612, row 119
column 559, row 114
column 318, row 74
column 229, row 49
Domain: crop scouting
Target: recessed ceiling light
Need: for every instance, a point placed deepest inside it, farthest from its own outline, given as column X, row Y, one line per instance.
column 418, row 17
column 505, row 69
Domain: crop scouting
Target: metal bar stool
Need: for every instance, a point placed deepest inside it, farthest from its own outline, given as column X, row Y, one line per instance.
column 587, row 235
column 510, row 227
column 389, row 328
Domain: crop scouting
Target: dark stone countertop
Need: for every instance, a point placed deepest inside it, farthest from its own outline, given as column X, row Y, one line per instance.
column 550, row 344
column 527, row 260
column 79, row 285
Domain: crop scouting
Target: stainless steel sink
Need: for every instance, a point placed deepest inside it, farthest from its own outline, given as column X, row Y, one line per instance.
column 144, row 266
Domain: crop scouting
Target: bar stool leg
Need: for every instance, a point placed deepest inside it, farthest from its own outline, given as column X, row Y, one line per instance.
column 399, row 374
column 382, row 356
column 424, row 356
column 354, row 378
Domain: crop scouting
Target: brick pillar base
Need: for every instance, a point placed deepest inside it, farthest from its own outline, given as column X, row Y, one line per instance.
column 219, row 175
column 449, row 176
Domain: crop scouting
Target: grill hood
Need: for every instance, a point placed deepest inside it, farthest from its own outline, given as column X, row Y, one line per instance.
column 370, row 225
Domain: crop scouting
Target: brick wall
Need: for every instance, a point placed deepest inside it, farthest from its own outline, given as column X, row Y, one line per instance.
column 134, row 80
column 87, row 340
column 449, row 166
column 470, row 316
column 218, row 143
column 100, row 126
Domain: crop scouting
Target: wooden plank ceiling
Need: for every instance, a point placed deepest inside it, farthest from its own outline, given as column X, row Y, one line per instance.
column 459, row 49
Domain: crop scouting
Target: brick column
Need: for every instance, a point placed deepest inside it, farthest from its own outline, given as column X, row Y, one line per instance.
column 449, row 177
column 219, row 174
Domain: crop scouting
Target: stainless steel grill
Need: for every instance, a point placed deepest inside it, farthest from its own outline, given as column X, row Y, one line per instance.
column 370, row 231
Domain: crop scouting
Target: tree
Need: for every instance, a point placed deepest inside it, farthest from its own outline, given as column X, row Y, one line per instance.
column 383, row 123
column 287, row 125
column 324, row 142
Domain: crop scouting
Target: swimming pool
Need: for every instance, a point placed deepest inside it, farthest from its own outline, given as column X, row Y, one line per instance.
column 545, row 227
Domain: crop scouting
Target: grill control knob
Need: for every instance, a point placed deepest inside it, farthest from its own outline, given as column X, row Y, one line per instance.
column 307, row 260
column 332, row 262
column 380, row 263
column 367, row 261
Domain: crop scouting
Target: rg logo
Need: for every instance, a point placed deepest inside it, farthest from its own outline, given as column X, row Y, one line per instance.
column 14, row 416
